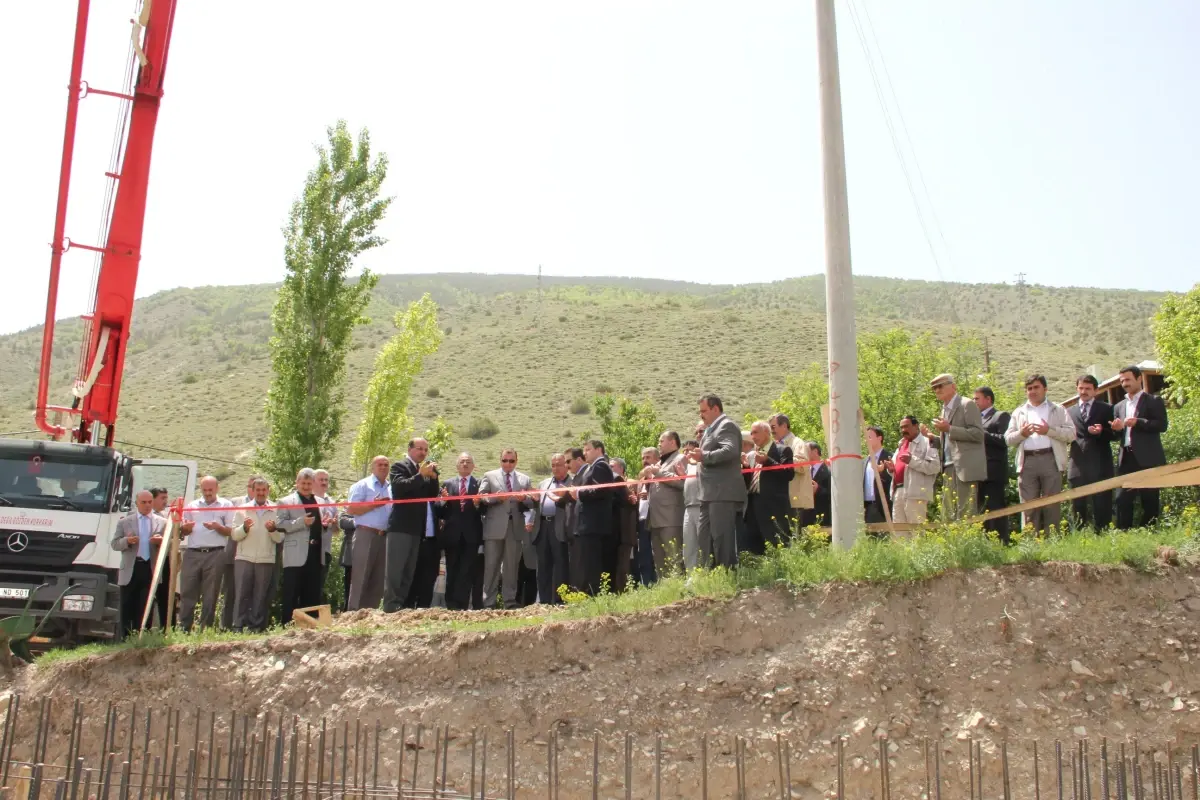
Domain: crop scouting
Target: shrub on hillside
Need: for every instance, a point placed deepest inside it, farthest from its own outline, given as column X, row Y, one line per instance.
column 580, row 405
column 482, row 428
column 433, row 391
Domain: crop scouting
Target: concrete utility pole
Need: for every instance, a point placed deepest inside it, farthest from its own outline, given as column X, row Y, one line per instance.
column 844, row 434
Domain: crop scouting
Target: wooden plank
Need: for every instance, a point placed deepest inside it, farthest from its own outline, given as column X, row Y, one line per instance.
column 304, row 619
column 1185, row 473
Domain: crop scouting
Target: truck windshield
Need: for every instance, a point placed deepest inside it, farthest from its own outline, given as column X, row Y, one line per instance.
column 43, row 482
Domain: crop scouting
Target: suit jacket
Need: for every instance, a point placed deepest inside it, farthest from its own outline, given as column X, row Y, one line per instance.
column 1146, row 436
column 773, row 502
column 562, row 513
column 594, row 512
column 965, row 441
column 1061, row 432
column 1091, row 454
column 128, row 526
column 295, row 532
column 885, row 478
column 921, row 471
column 823, row 496
column 625, row 514
column 666, row 497
column 407, row 482
column 499, row 512
column 800, row 491
column 995, row 446
column 462, row 525
column 721, row 473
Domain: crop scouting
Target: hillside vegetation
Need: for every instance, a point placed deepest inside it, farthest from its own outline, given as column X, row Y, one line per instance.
column 197, row 369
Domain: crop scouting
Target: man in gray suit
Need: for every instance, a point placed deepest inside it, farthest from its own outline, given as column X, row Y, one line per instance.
column 549, row 534
column 722, row 489
column 504, row 528
column 137, row 538
column 665, row 515
column 964, row 460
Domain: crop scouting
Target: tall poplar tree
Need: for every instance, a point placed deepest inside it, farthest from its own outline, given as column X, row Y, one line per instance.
column 318, row 308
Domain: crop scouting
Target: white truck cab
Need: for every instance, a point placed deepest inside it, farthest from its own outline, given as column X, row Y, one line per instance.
column 59, row 506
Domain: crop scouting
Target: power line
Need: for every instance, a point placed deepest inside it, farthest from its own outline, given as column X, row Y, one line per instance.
column 891, row 128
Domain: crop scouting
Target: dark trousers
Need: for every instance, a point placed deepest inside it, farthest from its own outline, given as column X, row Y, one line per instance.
column 591, row 551
column 527, row 585
column 162, row 596
column 1095, row 510
column 873, row 512
column 993, row 496
column 552, row 570
column 429, row 562
column 346, row 573
column 134, row 596
column 302, row 585
column 477, row 580
column 1126, row 497
column 643, row 560
column 460, row 575
column 575, row 571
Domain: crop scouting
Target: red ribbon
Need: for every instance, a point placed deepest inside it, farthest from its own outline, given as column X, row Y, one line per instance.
column 502, row 495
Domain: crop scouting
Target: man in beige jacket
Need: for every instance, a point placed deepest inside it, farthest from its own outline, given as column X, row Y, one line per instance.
column 257, row 538
column 1042, row 432
column 800, row 490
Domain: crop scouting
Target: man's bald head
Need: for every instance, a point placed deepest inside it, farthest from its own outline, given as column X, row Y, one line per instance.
column 208, row 488
column 145, row 501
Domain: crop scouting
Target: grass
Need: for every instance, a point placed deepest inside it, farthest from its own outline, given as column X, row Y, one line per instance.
column 514, row 356
column 806, row 563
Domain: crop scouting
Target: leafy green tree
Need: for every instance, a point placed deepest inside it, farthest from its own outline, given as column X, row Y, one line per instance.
column 317, row 308
column 385, row 424
column 894, row 370
column 626, row 427
column 441, row 441
column 1176, row 328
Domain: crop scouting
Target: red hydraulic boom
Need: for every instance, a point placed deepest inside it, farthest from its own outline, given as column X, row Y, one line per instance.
column 106, row 329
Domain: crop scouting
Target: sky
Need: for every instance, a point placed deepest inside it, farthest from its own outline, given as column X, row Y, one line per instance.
column 675, row 139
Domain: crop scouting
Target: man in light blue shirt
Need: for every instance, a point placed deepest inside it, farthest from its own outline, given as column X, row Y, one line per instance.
column 370, row 505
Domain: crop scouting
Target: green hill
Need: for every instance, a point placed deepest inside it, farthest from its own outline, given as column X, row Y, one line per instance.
column 197, row 370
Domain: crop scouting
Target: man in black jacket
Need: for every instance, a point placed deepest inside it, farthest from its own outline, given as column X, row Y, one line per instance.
column 877, row 454
column 411, row 478
column 768, row 502
column 1091, row 453
column 822, row 511
column 992, row 494
column 1139, row 422
column 460, row 533
column 593, row 515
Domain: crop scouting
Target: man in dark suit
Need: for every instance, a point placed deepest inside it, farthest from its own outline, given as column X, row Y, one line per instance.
column 594, row 515
column 992, row 494
column 411, row 478
column 1091, row 453
column 1139, row 421
column 877, row 454
column 577, row 467
column 625, row 527
column 460, row 533
column 768, row 501
column 822, row 511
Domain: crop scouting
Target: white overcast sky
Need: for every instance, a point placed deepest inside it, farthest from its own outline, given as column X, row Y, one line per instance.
column 630, row 137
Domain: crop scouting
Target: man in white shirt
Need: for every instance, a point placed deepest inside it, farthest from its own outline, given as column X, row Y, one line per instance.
column 1042, row 432
column 207, row 524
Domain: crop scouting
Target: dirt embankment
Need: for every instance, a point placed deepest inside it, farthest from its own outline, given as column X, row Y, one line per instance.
column 1017, row 654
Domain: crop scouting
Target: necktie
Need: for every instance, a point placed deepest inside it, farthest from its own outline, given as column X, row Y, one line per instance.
column 508, row 487
column 462, row 490
column 760, row 458
column 1084, row 411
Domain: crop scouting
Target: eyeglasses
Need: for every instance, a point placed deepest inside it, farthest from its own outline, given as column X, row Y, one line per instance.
column 508, row 461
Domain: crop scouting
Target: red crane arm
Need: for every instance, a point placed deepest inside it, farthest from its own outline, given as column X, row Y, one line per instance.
column 98, row 387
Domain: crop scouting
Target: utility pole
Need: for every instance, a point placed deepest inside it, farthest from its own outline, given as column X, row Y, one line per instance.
column 844, row 434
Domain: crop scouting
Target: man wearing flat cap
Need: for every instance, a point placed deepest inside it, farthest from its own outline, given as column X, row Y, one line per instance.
column 958, row 432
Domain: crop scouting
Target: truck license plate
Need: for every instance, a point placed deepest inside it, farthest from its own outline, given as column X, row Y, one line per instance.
column 9, row 593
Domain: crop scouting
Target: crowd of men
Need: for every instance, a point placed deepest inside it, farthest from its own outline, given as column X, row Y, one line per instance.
column 508, row 541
